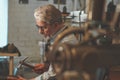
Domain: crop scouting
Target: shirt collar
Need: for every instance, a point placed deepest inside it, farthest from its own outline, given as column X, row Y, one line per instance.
column 52, row 38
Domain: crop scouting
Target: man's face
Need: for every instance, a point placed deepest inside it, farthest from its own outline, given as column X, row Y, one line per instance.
column 44, row 28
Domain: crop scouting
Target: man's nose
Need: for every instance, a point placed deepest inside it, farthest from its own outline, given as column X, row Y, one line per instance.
column 40, row 31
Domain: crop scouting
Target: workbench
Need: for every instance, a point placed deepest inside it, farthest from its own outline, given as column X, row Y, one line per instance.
column 11, row 61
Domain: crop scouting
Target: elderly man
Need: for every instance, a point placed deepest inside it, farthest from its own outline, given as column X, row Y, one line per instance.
column 50, row 24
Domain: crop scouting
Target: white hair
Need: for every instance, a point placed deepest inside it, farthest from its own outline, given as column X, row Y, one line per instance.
column 48, row 13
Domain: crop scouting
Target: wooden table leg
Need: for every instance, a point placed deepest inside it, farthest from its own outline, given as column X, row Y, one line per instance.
column 11, row 65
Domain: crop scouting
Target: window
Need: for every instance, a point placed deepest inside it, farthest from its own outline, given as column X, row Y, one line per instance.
column 3, row 22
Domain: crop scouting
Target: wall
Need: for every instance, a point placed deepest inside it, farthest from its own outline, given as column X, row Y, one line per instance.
column 21, row 27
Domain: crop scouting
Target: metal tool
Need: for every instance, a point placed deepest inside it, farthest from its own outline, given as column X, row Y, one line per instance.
column 25, row 64
column 24, row 69
column 19, row 66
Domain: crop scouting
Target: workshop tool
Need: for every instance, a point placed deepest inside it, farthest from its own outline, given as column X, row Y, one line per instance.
column 25, row 64
column 25, row 69
column 19, row 67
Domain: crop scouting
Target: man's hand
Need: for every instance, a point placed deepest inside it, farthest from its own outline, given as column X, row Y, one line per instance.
column 41, row 68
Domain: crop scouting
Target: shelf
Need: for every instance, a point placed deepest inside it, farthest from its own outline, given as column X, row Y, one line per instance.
column 8, row 54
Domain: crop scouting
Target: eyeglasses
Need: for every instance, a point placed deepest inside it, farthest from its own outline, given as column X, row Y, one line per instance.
column 41, row 27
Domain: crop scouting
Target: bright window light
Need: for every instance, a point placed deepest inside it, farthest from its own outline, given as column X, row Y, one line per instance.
column 3, row 22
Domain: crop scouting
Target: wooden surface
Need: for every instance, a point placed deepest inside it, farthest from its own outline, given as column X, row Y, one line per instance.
column 8, row 54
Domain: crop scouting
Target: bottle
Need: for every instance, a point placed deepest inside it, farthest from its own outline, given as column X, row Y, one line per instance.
column 64, row 9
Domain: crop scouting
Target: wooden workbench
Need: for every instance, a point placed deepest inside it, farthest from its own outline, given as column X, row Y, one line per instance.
column 11, row 61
